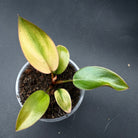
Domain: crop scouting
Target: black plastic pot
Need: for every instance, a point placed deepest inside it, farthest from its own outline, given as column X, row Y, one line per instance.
column 82, row 92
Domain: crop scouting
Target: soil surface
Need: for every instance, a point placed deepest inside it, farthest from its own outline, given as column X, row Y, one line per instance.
column 32, row 80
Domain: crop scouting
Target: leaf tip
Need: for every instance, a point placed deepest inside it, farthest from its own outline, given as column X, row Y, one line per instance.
column 127, row 87
column 19, row 20
column 19, row 17
column 122, row 88
column 68, row 111
column 17, row 128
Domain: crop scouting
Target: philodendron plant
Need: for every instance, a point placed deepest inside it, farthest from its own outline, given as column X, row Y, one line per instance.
column 43, row 55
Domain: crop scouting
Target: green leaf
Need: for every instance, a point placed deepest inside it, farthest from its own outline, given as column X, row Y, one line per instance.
column 63, row 99
column 37, row 46
column 93, row 76
column 63, row 59
column 33, row 109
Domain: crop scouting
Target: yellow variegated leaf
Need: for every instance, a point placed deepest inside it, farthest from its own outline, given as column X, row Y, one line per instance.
column 33, row 109
column 63, row 99
column 37, row 46
column 63, row 59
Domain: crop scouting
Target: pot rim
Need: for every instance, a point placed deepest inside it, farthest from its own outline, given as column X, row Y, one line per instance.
column 82, row 92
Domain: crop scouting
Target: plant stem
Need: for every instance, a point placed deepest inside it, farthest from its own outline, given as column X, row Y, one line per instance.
column 53, row 78
column 63, row 81
column 48, row 90
column 52, row 75
column 50, row 87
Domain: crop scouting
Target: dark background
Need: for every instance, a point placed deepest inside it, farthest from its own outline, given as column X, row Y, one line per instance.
column 96, row 32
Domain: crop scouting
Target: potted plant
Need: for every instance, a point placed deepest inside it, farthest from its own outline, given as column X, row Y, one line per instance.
column 48, row 66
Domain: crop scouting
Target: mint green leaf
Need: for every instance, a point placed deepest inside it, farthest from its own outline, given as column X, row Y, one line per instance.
column 93, row 76
column 33, row 109
column 63, row 99
column 63, row 59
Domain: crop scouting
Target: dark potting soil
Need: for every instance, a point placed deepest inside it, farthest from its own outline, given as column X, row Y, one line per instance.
column 32, row 80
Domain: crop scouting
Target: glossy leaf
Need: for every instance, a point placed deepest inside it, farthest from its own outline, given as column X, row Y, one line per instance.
column 63, row 99
column 37, row 47
column 33, row 109
column 63, row 59
column 93, row 76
